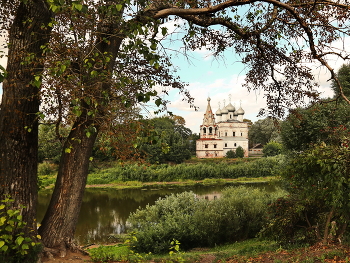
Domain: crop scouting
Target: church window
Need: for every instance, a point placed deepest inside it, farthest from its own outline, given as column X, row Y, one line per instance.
column 235, row 144
column 225, row 144
column 210, row 130
column 241, row 134
column 225, row 133
column 214, row 145
column 206, row 145
column 233, row 134
column 204, row 130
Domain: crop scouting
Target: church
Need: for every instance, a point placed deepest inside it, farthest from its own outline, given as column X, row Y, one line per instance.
column 228, row 132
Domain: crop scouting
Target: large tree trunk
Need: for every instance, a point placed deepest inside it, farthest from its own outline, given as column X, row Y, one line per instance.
column 59, row 224
column 20, row 103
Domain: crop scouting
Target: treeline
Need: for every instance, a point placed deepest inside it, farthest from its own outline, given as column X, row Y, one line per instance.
column 161, row 173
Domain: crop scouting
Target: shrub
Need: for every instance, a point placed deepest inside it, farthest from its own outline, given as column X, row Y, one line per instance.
column 238, row 214
column 272, row 149
column 15, row 245
column 239, row 152
column 295, row 220
column 230, row 154
column 47, row 168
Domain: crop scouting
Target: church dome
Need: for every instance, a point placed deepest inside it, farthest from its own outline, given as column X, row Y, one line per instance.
column 230, row 107
column 240, row 111
column 224, row 111
column 218, row 112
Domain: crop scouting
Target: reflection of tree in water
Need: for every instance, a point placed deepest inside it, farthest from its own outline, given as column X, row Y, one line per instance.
column 104, row 212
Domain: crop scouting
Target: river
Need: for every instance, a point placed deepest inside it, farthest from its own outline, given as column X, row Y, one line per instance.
column 104, row 212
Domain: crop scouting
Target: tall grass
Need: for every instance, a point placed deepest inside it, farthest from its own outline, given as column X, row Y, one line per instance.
column 162, row 173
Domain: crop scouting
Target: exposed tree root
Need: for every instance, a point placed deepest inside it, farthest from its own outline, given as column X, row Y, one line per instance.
column 62, row 248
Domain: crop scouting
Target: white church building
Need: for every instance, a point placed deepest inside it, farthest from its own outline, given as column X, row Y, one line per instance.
column 227, row 133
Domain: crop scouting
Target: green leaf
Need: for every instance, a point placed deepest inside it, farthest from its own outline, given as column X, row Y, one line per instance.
column 88, row 134
column 153, row 46
column 119, row 7
column 4, row 248
column 164, row 31
column 25, row 246
column 158, row 102
column 67, row 150
column 19, row 240
column 2, row 243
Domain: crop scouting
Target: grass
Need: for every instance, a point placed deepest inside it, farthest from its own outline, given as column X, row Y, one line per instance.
column 252, row 250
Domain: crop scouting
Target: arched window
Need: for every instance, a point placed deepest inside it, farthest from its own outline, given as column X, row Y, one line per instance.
column 204, row 130
column 235, row 144
column 210, row 130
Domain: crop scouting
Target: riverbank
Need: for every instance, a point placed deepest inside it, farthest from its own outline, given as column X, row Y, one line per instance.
column 137, row 184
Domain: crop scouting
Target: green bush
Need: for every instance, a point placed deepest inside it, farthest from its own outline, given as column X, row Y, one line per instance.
column 295, row 220
column 272, row 149
column 239, row 214
column 47, row 168
column 16, row 245
column 231, row 154
column 239, row 152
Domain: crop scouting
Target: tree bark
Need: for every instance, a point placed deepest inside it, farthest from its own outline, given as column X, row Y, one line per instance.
column 59, row 224
column 19, row 105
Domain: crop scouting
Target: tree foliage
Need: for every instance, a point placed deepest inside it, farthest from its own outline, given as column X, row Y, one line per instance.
column 272, row 149
column 239, row 152
column 264, row 131
column 313, row 125
column 344, row 78
column 172, row 133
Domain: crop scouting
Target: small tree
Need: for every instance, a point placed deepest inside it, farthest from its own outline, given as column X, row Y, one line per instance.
column 272, row 149
column 230, row 154
column 322, row 173
column 239, row 152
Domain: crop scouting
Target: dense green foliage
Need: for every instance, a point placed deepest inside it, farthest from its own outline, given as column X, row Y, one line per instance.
column 175, row 135
column 344, row 78
column 230, row 154
column 238, row 214
column 313, row 125
column 151, row 173
column 264, row 131
column 295, row 220
column 239, row 152
column 272, row 149
column 15, row 243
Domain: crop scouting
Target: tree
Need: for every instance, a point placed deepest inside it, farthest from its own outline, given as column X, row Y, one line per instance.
column 321, row 174
column 264, row 131
column 272, row 149
column 90, row 61
column 176, row 138
column 305, row 127
column 239, row 152
column 28, row 31
column 344, row 78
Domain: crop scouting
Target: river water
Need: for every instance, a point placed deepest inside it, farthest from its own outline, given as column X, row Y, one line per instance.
column 104, row 212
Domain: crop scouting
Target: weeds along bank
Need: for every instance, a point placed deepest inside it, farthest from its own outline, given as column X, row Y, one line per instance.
column 262, row 167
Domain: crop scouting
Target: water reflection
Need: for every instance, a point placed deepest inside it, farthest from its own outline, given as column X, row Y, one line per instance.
column 104, row 212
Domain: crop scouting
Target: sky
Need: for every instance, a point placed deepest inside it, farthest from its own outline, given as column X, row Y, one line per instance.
column 217, row 79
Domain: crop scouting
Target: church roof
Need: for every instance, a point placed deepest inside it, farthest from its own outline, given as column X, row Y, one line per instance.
column 209, row 118
column 230, row 107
